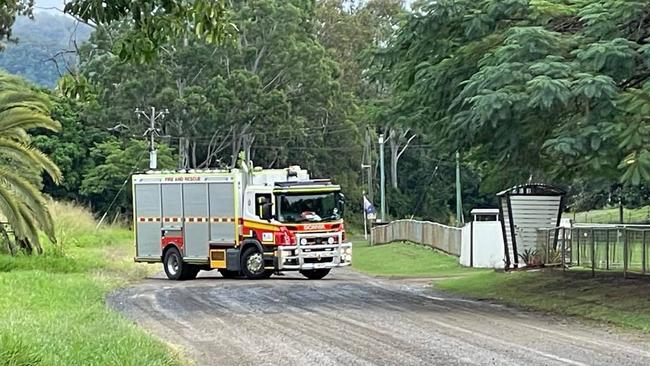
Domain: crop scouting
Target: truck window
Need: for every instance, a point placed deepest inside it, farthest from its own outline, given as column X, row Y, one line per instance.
column 260, row 200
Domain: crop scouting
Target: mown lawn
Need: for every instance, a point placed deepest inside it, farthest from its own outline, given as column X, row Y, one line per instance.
column 606, row 298
column 405, row 260
column 52, row 307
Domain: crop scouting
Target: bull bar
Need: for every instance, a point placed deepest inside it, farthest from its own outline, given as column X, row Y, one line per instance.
column 340, row 253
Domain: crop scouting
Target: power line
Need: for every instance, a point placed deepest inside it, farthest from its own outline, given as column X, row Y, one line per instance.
column 274, row 133
column 135, row 166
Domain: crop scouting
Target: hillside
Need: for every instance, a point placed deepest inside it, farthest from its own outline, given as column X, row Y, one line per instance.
column 38, row 42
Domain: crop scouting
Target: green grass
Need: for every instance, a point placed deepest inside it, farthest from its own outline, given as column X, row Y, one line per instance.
column 607, row 298
column 405, row 260
column 52, row 307
column 611, row 215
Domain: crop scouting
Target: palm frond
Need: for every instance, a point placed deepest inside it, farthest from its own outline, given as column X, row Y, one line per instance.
column 23, row 109
column 31, row 232
column 26, row 119
column 10, row 207
column 32, row 198
column 38, row 160
column 16, row 134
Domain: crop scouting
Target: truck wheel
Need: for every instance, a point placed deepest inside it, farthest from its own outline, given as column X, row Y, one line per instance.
column 315, row 274
column 252, row 264
column 175, row 268
column 228, row 274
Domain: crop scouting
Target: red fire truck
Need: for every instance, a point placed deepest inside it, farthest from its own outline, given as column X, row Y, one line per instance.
column 248, row 222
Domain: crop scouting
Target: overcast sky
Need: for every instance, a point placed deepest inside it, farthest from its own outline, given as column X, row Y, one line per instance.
column 45, row 4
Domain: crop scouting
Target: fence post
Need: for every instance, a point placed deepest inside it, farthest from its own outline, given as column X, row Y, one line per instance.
column 563, row 249
column 625, row 249
column 423, row 228
column 578, row 247
column 571, row 246
column 643, row 260
column 607, row 250
column 548, row 250
column 593, row 254
column 471, row 244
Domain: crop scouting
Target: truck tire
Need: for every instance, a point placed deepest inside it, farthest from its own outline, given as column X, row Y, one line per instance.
column 228, row 274
column 315, row 274
column 176, row 269
column 252, row 264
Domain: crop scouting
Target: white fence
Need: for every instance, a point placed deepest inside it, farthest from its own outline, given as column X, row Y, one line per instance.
column 441, row 237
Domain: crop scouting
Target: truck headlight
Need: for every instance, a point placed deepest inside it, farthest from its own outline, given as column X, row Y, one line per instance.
column 330, row 240
column 303, row 241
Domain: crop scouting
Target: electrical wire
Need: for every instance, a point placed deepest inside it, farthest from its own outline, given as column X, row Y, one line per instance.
column 135, row 166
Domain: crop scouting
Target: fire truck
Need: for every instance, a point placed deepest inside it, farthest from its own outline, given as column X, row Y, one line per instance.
column 248, row 222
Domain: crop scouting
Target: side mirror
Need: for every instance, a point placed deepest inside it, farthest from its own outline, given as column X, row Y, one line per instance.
column 267, row 212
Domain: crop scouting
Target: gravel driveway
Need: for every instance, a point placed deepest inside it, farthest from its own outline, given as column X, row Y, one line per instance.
column 352, row 319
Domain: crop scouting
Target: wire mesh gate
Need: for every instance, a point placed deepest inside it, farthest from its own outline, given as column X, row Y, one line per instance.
column 620, row 248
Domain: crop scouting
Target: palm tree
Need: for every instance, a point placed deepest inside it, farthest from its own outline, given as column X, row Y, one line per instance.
column 21, row 202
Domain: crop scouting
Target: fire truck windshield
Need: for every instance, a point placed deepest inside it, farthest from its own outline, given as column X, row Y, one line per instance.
column 310, row 207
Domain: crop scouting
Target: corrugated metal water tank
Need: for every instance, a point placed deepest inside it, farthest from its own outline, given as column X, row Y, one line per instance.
column 525, row 209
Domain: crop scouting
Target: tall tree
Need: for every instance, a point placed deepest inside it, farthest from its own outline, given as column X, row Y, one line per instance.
column 535, row 88
column 273, row 92
column 23, row 205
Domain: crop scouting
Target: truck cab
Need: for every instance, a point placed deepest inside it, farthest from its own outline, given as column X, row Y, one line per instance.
column 300, row 219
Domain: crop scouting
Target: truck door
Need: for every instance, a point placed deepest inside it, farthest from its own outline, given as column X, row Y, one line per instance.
column 147, row 219
column 195, row 208
column 172, row 212
column 222, row 213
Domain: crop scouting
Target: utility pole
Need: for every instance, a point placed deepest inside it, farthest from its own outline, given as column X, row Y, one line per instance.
column 152, row 132
column 459, row 199
column 371, row 190
column 383, row 177
column 366, row 167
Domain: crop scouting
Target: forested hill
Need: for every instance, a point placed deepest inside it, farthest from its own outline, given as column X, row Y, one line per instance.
column 40, row 40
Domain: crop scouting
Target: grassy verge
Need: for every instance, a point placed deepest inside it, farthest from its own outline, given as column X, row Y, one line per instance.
column 607, row 298
column 405, row 260
column 52, row 308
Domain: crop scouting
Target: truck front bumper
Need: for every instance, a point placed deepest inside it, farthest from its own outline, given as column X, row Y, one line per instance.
column 305, row 257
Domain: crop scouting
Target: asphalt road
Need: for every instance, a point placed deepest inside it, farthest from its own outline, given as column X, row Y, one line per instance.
column 352, row 319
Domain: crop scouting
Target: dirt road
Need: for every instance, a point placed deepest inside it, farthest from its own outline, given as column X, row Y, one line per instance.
column 351, row 319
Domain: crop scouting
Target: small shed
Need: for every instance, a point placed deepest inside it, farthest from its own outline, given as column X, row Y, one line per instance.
column 524, row 209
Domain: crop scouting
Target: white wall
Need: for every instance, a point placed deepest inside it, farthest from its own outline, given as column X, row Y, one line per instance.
column 487, row 246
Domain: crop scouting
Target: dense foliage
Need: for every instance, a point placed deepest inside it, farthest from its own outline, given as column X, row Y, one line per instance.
column 294, row 86
column 21, row 203
column 541, row 89
column 553, row 91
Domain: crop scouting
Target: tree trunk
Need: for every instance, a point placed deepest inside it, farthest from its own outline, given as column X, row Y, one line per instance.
column 194, row 154
column 394, row 151
column 236, row 145
column 398, row 144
